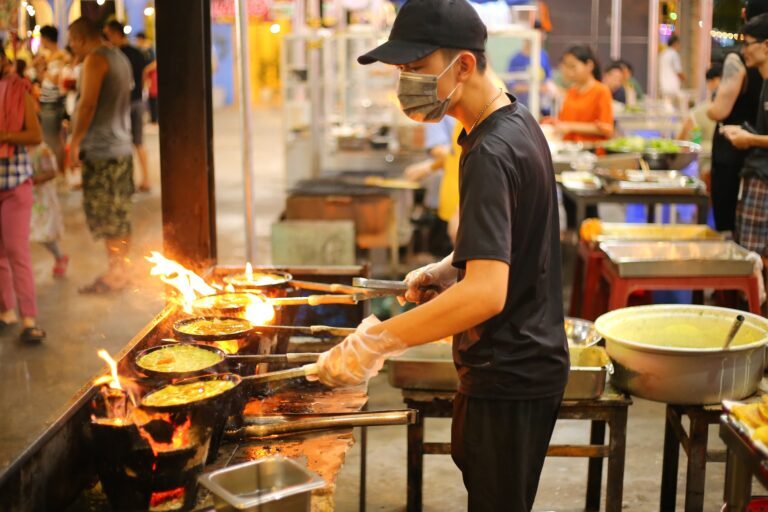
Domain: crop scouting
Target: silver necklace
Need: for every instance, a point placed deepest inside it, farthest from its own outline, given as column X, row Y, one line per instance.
column 477, row 120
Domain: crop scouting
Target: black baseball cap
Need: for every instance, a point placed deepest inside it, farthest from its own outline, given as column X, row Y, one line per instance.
column 423, row 26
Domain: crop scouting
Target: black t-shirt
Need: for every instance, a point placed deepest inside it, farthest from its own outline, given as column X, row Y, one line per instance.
column 138, row 60
column 756, row 163
column 508, row 212
column 744, row 110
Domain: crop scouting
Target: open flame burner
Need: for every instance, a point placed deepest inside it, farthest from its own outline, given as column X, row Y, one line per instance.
column 147, row 460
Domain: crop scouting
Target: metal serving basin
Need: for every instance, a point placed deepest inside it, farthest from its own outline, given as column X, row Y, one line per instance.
column 673, row 353
column 589, row 368
column 274, row 484
column 430, row 366
column 678, row 259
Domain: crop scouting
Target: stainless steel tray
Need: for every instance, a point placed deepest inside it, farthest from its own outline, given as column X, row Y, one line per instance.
column 274, row 484
column 619, row 231
column 430, row 366
column 589, row 368
column 678, row 259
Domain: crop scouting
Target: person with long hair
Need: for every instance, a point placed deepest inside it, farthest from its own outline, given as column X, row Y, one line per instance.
column 19, row 127
column 587, row 112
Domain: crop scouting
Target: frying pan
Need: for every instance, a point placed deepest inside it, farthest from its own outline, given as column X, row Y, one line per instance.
column 224, row 364
column 310, row 330
column 240, row 281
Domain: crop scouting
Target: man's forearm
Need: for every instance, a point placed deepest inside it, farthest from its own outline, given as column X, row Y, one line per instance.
column 758, row 141
column 459, row 308
column 83, row 118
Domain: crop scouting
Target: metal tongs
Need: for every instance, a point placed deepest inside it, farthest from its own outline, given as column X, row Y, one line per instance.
column 361, row 289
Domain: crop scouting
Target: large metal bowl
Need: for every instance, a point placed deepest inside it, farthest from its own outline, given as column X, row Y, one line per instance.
column 673, row 353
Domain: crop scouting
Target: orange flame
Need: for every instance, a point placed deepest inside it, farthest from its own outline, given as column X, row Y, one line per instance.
column 188, row 284
column 249, row 271
column 259, row 311
column 229, row 288
column 114, row 378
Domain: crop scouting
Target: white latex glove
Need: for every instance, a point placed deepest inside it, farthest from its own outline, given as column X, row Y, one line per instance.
column 758, row 271
column 426, row 283
column 359, row 357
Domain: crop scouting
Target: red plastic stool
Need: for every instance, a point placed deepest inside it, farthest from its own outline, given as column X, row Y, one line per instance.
column 758, row 504
column 586, row 281
column 622, row 287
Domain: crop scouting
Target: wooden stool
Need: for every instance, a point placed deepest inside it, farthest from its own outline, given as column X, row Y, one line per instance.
column 694, row 442
column 622, row 287
column 610, row 409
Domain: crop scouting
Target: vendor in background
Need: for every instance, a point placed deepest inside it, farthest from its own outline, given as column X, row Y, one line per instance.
column 613, row 78
column 752, row 209
column 736, row 102
column 51, row 96
column 632, row 87
column 698, row 127
column 440, row 144
column 587, row 111
column 521, row 62
column 500, row 292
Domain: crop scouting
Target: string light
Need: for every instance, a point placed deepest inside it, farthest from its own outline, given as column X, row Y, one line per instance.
column 149, row 11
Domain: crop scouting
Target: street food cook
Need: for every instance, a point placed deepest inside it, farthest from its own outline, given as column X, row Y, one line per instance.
column 499, row 294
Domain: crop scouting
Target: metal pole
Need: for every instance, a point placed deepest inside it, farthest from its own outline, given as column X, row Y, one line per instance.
column 653, row 47
column 615, row 29
column 241, row 41
column 705, row 42
column 535, row 87
column 315, row 73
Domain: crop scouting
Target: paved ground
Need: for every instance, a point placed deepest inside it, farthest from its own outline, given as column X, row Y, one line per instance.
column 38, row 381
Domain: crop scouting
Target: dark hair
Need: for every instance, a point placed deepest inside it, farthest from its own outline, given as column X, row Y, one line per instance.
column 21, row 67
column 141, row 35
column 625, row 64
column 612, row 66
column 673, row 39
column 50, row 33
column 115, row 26
column 85, row 28
column 480, row 57
column 584, row 53
column 757, row 27
column 755, row 8
column 715, row 70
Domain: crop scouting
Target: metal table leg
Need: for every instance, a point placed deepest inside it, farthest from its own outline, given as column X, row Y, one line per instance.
column 415, row 463
column 595, row 467
column 669, row 468
column 697, row 464
column 614, row 489
column 738, row 484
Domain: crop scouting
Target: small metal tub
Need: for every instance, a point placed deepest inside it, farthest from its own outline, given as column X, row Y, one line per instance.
column 589, row 368
column 274, row 484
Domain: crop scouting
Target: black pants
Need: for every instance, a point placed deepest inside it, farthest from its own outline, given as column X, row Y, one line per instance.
column 725, row 194
column 500, row 446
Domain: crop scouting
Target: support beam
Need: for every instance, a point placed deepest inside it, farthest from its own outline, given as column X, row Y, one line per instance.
column 653, row 48
column 186, row 130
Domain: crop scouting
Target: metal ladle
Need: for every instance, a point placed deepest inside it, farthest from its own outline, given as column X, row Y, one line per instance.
column 734, row 330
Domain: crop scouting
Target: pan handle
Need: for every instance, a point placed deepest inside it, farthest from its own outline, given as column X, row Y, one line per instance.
column 364, row 419
column 326, row 287
column 306, row 357
column 314, row 300
column 302, row 371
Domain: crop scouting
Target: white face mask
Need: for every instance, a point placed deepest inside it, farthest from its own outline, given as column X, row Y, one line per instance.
column 418, row 96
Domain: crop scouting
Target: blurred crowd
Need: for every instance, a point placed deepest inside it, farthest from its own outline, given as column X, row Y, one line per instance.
column 72, row 119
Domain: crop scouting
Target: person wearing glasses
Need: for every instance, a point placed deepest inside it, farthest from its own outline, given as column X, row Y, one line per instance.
column 752, row 208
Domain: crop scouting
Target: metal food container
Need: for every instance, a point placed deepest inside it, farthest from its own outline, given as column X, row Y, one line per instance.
column 678, row 259
column 274, row 484
column 673, row 353
column 589, row 368
column 620, row 231
column 430, row 366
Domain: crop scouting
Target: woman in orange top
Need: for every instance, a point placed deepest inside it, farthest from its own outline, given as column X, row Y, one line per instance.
column 587, row 113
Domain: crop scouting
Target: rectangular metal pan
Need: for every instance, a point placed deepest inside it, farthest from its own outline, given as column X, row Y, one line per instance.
column 678, row 259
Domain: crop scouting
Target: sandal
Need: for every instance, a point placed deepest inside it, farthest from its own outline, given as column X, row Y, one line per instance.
column 98, row 287
column 4, row 324
column 32, row 335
